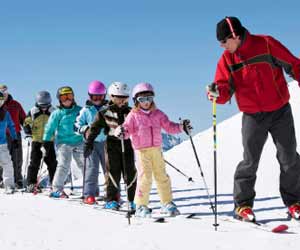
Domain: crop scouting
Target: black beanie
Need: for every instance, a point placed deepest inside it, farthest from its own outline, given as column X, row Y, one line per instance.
column 229, row 26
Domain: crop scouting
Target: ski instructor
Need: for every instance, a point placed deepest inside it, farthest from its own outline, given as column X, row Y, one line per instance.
column 251, row 67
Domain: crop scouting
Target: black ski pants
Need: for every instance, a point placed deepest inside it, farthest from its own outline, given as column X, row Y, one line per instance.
column 114, row 169
column 255, row 129
column 35, row 162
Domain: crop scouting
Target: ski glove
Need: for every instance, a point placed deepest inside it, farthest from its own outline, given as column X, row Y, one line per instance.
column 212, row 91
column 28, row 138
column 119, row 132
column 186, row 126
column 47, row 146
column 87, row 149
column 15, row 144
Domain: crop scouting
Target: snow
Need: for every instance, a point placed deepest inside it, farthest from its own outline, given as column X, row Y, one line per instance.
column 31, row 222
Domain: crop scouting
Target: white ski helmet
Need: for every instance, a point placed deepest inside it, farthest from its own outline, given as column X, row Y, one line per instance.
column 118, row 89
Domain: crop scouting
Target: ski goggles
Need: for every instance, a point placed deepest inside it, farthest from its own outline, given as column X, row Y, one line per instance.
column 65, row 97
column 143, row 99
column 120, row 96
column 97, row 97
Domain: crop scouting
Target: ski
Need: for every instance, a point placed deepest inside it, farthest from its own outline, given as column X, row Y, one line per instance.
column 281, row 228
column 126, row 213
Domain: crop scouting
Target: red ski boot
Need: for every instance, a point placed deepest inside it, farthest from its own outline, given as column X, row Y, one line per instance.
column 294, row 211
column 244, row 213
column 90, row 200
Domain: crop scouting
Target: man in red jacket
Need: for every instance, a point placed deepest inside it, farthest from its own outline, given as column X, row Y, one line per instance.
column 18, row 115
column 251, row 67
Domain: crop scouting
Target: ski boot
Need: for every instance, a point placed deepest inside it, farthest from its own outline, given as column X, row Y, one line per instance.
column 143, row 212
column 58, row 194
column 170, row 209
column 244, row 213
column 132, row 206
column 89, row 200
column 113, row 205
column 9, row 190
column 32, row 188
column 294, row 211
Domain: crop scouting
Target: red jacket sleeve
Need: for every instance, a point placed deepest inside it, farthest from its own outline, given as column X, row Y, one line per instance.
column 284, row 58
column 222, row 78
column 22, row 114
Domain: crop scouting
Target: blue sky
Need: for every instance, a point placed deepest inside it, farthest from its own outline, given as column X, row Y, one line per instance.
column 171, row 44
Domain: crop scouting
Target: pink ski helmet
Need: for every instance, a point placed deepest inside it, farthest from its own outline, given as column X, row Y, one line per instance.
column 142, row 87
column 97, row 88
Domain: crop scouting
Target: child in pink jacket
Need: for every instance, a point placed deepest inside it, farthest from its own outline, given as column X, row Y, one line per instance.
column 143, row 124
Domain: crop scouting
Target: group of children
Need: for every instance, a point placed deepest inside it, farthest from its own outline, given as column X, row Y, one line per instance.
column 125, row 141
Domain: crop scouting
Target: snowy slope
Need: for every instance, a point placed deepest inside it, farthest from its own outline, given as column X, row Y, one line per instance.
column 39, row 223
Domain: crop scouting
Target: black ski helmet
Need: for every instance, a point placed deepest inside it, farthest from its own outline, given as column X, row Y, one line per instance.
column 64, row 90
column 43, row 99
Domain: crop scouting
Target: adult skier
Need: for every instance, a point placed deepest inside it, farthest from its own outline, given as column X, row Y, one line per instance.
column 251, row 67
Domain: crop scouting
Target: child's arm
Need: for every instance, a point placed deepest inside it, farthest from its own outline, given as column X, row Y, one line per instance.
column 169, row 126
column 28, row 124
column 98, row 124
column 81, row 125
column 129, row 125
column 51, row 126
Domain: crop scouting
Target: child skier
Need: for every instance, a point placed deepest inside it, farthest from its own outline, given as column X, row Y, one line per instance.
column 109, row 119
column 34, row 126
column 61, row 124
column 5, row 159
column 143, row 125
column 96, row 102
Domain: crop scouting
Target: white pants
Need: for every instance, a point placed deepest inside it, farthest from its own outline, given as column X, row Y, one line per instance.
column 6, row 164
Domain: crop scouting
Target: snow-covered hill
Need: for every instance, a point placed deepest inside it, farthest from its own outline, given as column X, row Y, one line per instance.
column 169, row 141
column 39, row 223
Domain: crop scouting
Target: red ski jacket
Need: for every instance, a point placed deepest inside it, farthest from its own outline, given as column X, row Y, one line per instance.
column 16, row 112
column 254, row 72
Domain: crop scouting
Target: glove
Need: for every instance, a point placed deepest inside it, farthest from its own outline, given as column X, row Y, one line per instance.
column 46, row 147
column 15, row 144
column 119, row 132
column 87, row 149
column 186, row 126
column 28, row 138
column 212, row 91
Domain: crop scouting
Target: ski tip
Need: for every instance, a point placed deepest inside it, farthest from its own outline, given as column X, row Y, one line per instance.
column 160, row 220
column 190, row 216
column 280, row 228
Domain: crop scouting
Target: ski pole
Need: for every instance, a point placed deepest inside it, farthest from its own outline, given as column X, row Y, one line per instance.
column 71, row 181
column 178, row 170
column 83, row 177
column 215, row 159
column 125, row 173
column 26, row 165
column 201, row 172
column 35, row 190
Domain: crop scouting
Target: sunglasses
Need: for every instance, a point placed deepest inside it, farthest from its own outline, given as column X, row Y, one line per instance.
column 65, row 97
column 97, row 97
column 143, row 99
column 225, row 39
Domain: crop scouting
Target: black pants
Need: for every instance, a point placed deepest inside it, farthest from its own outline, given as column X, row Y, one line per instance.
column 255, row 129
column 17, row 158
column 35, row 162
column 114, row 167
